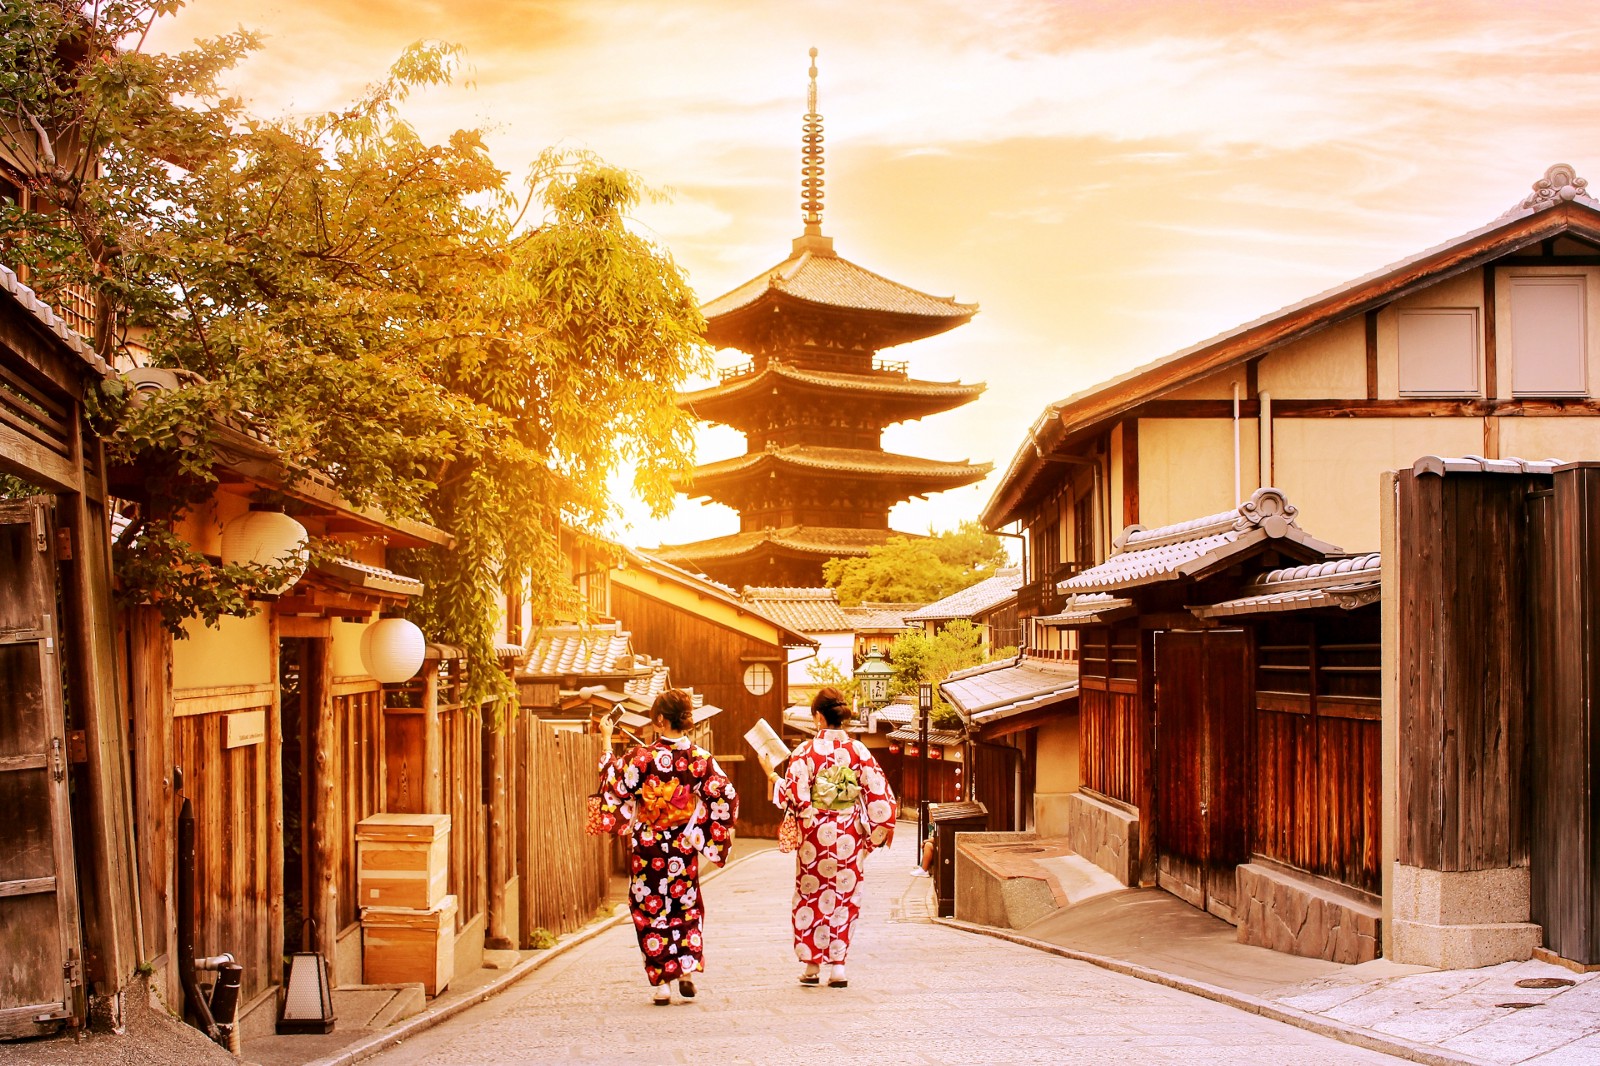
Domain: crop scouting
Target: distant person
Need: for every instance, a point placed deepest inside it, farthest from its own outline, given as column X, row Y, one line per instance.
column 842, row 801
column 676, row 805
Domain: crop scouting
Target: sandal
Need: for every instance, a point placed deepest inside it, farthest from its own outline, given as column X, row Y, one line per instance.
column 686, row 988
column 811, row 976
column 663, row 996
column 837, row 979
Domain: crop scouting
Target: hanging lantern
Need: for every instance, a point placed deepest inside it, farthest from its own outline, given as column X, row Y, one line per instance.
column 266, row 538
column 392, row 649
column 874, row 676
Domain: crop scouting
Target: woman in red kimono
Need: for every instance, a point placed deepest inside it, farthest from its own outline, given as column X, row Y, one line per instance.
column 842, row 801
column 677, row 805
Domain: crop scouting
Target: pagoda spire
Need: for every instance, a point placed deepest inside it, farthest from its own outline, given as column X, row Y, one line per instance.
column 811, row 159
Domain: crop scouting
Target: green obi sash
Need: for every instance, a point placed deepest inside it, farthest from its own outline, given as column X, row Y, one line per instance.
column 835, row 789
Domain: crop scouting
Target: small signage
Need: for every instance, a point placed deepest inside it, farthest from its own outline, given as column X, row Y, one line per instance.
column 245, row 728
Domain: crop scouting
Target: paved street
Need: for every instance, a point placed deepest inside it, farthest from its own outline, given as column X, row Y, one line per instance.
column 919, row 993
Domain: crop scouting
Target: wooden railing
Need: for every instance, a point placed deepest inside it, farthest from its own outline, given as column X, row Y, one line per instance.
column 825, row 361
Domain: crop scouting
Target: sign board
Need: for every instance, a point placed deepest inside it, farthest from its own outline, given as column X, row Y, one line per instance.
column 245, row 728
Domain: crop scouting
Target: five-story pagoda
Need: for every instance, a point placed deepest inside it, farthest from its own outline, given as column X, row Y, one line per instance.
column 812, row 401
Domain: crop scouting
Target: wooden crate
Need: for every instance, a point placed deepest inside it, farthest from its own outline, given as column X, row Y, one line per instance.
column 402, row 860
column 399, row 945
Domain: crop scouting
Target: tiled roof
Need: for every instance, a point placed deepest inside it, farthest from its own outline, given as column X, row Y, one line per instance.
column 1348, row 583
column 367, row 576
column 810, row 610
column 646, row 687
column 47, row 317
column 587, row 651
column 664, row 563
column 972, row 600
column 1088, row 608
column 762, row 381
column 1187, row 549
column 826, row 541
column 1000, row 690
column 858, row 461
column 832, row 281
column 880, row 617
column 1477, row 464
column 944, row 738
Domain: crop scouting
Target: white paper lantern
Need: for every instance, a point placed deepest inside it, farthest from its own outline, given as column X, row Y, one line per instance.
column 392, row 649
column 267, row 538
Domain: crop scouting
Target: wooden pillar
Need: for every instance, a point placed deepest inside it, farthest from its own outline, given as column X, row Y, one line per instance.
column 499, row 934
column 274, row 757
column 322, row 797
column 111, row 916
column 150, row 692
column 432, row 741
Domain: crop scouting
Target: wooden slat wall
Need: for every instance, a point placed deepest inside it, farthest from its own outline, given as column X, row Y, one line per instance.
column 564, row 872
column 944, row 784
column 1113, row 758
column 994, row 784
column 227, row 787
column 1317, row 795
column 359, row 720
column 711, row 659
column 462, row 751
column 1564, row 679
column 1463, row 650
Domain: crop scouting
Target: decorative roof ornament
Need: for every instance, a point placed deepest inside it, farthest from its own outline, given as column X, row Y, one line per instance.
column 811, row 158
column 1560, row 184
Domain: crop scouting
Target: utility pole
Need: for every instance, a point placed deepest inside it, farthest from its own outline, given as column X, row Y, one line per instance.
column 924, row 712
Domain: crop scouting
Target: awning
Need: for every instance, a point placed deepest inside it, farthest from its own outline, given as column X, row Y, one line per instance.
column 1089, row 609
column 1345, row 583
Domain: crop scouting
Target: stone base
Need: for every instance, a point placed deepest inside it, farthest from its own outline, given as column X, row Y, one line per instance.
column 1461, row 919
column 1106, row 835
column 1006, row 895
column 1302, row 915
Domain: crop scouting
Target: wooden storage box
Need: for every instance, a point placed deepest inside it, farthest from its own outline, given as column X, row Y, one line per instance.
column 399, row 945
column 402, row 860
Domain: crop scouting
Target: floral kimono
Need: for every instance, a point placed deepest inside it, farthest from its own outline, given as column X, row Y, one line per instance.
column 838, row 793
column 678, row 805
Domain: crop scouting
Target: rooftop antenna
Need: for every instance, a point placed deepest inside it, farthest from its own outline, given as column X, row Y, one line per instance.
column 811, row 159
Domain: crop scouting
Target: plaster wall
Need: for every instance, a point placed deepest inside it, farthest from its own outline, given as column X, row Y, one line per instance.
column 1186, row 467
column 1215, row 387
column 1329, row 467
column 347, row 649
column 1550, row 438
column 1329, row 364
column 237, row 652
column 1056, row 771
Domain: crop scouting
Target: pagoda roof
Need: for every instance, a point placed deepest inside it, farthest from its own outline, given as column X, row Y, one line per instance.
column 815, row 277
column 825, row 542
column 857, row 462
column 891, row 391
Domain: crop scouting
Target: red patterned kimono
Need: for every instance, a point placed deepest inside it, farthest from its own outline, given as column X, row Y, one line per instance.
column 678, row 805
column 839, row 794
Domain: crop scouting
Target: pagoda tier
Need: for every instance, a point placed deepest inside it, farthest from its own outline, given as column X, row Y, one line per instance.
column 815, row 484
column 790, row 558
column 752, row 400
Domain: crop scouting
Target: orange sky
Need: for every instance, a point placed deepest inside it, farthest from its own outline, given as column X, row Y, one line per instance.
column 1110, row 181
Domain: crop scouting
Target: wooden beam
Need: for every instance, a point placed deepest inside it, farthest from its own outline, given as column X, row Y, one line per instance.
column 432, row 742
column 274, row 788
column 1371, row 318
column 150, row 688
column 1130, row 469
column 290, row 625
column 24, row 457
column 322, row 800
column 1359, row 408
column 499, row 934
column 1491, row 346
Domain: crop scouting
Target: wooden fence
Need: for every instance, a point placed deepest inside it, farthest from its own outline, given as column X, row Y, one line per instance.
column 564, row 873
column 358, row 718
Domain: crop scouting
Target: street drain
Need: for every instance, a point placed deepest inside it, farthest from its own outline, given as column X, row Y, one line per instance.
column 1544, row 982
column 1519, row 1006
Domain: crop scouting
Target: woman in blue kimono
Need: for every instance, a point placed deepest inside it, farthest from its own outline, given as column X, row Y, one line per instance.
column 676, row 805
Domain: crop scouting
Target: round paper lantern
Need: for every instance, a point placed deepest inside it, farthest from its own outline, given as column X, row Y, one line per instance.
column 267, row 538
column 392, row 649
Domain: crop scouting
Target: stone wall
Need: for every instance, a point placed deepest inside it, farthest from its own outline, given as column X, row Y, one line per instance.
column 1105, row 835
column 1301, row 915
column 1461, row 919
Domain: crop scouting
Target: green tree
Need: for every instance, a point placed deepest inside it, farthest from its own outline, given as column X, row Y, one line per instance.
column 917, row 569
column 918, row 657
column 399, row 317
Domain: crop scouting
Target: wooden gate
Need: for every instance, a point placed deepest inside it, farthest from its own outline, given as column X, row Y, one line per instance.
column 1203, row 705
column 39, row 944
column 997, row 784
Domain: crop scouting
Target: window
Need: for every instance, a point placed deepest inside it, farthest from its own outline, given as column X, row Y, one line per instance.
column 1439, row 351
column 1547, row 337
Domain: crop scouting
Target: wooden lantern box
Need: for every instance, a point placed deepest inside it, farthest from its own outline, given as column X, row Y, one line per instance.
column 399, row 945
column 402, row 860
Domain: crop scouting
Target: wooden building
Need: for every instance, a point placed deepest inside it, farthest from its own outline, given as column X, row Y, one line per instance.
column 812, row 397
column 990, row 604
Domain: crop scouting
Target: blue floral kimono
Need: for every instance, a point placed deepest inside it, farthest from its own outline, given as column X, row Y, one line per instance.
column 677, row 805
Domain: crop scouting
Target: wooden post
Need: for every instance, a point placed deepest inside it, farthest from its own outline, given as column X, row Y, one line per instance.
column 150, row 685
column 274, row 757
column 432, row 741
column 498, row 933
column 322, row 799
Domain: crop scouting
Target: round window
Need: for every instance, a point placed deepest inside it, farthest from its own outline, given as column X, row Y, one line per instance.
column 758, row 679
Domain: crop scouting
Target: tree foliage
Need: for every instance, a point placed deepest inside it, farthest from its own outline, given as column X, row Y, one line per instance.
column 918, row 657
column 398, row 317
column 917, row 569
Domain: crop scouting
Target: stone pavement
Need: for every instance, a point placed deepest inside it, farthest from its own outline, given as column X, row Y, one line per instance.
column 919, row 993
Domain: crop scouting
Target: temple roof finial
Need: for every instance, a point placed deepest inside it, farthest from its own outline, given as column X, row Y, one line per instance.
column 811, row 158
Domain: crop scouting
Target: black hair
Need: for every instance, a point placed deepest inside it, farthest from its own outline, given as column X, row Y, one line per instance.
column 830, row 703
column 675, row 707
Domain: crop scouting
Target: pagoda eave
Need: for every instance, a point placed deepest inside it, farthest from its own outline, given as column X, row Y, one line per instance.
column 734, row 402
column 743, row 327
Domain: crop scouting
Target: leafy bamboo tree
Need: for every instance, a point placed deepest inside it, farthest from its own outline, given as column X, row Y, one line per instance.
column 398, row 317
